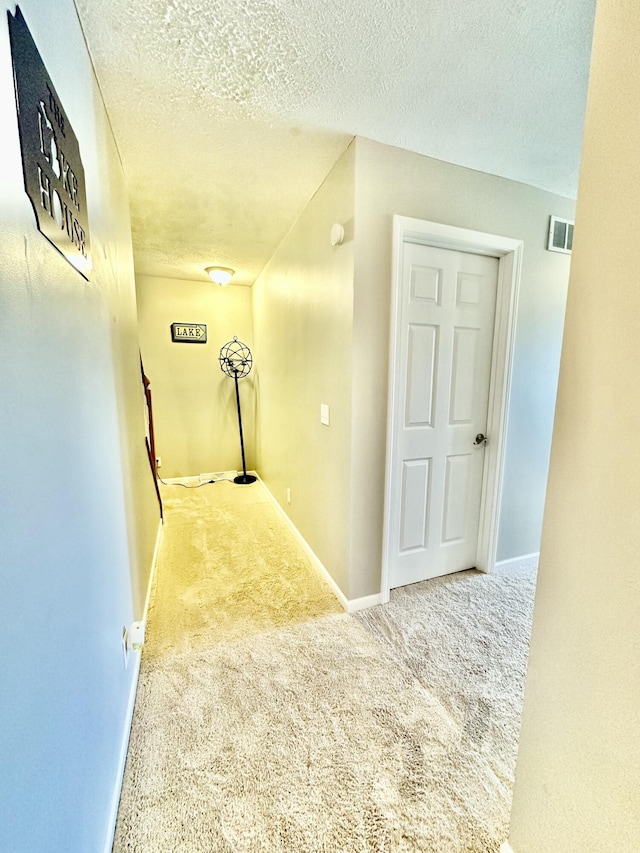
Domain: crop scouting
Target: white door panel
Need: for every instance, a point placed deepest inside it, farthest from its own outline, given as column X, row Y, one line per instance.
column 415, row 495
column 445, row 333
column 422, row 351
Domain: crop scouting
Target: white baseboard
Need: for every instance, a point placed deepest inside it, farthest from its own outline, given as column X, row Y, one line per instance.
column 124, row 746
column 506, row 848
column 197, row 479
column 528, row 561
column 315, row 560
column 350, row 605
column 217, row 475
column 152, row 574
column 367, row 601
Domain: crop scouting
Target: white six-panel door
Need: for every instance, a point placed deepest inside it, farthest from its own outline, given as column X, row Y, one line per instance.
column 445, row 334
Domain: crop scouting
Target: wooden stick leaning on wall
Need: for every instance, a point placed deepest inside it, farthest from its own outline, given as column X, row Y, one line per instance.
column 149, row 439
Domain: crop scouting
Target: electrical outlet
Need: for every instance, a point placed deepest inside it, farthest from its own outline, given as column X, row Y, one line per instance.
column 288, row 496
column 135, row 636
column 125, row 646
column 158, row 461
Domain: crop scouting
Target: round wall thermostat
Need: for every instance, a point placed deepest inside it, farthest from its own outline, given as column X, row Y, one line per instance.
column 337, row 234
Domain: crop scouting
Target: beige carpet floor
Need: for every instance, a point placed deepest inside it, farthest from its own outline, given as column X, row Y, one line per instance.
column 268, row 720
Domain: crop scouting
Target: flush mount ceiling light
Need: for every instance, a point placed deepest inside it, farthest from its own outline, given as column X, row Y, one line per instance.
column 220, row 275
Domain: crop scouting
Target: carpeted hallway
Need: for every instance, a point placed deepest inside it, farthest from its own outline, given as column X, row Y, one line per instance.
column 269, row 720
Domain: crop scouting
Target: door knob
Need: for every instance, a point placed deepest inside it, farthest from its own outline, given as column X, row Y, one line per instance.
column 480, row 439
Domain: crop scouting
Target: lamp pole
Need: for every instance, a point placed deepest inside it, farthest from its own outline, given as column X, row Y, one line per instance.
column 236, row 362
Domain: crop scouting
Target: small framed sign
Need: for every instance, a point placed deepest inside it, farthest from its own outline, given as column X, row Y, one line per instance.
column 188, row 333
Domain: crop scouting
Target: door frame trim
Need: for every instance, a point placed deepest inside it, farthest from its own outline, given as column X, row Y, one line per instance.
column 509, row 254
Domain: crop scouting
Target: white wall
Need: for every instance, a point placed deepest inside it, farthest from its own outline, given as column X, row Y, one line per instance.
column 578, row 771
column 303, row 311
column 194, row 403
column 392, row 181
column 78, row 517
column 337, row 329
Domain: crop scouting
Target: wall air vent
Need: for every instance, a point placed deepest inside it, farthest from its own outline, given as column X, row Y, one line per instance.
column 560, row 235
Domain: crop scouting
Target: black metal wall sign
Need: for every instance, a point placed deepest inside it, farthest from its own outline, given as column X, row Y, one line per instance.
column 188, row 333
column 51, row 164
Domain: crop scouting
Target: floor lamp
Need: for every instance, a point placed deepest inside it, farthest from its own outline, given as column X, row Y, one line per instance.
column 236, row 361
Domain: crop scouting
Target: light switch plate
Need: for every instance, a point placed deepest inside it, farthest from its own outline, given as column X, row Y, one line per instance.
column 324, row 414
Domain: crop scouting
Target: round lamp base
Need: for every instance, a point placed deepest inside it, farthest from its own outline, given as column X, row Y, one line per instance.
column 244, row 479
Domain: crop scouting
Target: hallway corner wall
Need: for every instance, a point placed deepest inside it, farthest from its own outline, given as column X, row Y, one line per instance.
column 302, row 314
column 194, row 403
column 577, row 780
column 79, row 515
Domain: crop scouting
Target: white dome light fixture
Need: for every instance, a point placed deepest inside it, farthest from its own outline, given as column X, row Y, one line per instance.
column 220, row 275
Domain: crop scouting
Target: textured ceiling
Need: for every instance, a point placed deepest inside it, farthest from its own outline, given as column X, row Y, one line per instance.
column 229, row 113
